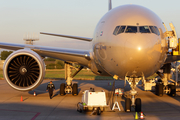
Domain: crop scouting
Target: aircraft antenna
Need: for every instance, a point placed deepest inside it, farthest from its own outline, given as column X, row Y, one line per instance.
column 110, row 5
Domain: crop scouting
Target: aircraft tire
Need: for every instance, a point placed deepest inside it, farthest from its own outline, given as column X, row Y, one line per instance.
column 138, row 105
column 159, row 89
column 127, row 105
column 159, row 80
column 172, row 90
column 62, row 89
column 98, row 111
column 75, row 89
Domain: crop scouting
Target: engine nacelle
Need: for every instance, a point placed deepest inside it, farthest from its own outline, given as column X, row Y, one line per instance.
column 24, row 70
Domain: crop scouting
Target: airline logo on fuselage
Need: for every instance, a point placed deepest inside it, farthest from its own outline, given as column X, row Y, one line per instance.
column 101, row 33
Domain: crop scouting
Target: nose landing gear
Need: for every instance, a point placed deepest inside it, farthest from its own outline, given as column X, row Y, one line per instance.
column 133, row 81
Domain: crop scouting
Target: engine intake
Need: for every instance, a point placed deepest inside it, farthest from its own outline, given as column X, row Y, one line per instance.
column 24, row 70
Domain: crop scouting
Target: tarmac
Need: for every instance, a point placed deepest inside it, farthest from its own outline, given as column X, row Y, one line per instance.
column 59, row 107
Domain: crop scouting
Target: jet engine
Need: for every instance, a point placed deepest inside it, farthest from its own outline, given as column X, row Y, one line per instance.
column 24, row 70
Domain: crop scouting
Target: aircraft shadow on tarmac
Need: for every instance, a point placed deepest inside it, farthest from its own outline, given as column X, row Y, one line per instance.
column 41, row 89
column 83, row 85
column 30, row 111
column 177, row 97
column 62, row 110
column 63, row 107
column 86, row 84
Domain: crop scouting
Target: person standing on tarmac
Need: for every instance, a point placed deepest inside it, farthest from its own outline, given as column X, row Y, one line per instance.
column 50, row 88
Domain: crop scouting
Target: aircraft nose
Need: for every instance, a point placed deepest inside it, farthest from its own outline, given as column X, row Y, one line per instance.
column 136, row 49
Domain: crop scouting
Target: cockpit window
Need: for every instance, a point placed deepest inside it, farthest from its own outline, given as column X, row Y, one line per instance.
column 157, row 30
column 144, row 29
column 135, row 29
column 154, row 30
column 116, row 30
column 131, row 29
column 121, row 30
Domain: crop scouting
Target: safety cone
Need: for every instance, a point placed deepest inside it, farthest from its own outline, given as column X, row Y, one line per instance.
column 34, row 94
column 21, row 99
column 136, row 116
column 142, row 116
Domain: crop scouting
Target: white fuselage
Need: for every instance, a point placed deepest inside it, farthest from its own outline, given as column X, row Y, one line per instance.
column 129, row 53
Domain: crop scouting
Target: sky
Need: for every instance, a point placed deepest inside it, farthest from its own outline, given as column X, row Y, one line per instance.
column 19, row 18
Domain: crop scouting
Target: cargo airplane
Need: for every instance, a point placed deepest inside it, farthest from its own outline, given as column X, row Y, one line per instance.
column 130, row 43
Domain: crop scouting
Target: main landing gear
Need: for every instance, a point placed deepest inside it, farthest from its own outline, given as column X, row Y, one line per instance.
column 165, row 84
column 133, row 102
column 69, row 87
column 169, row 89
column 64, row 88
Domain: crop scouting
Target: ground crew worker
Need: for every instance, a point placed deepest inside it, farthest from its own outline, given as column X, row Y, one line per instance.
column 50, row 88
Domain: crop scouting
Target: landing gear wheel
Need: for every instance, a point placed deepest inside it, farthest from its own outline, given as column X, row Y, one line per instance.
column 98, row 111
column 138, row 105
column 172, row 90
column 75, row 89
column 127, row 105
column 159, row 80
column 159, row 89
column 62, row 89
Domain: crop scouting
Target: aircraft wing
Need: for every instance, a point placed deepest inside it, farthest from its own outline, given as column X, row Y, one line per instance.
column 82, row 57
column 68, row 36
